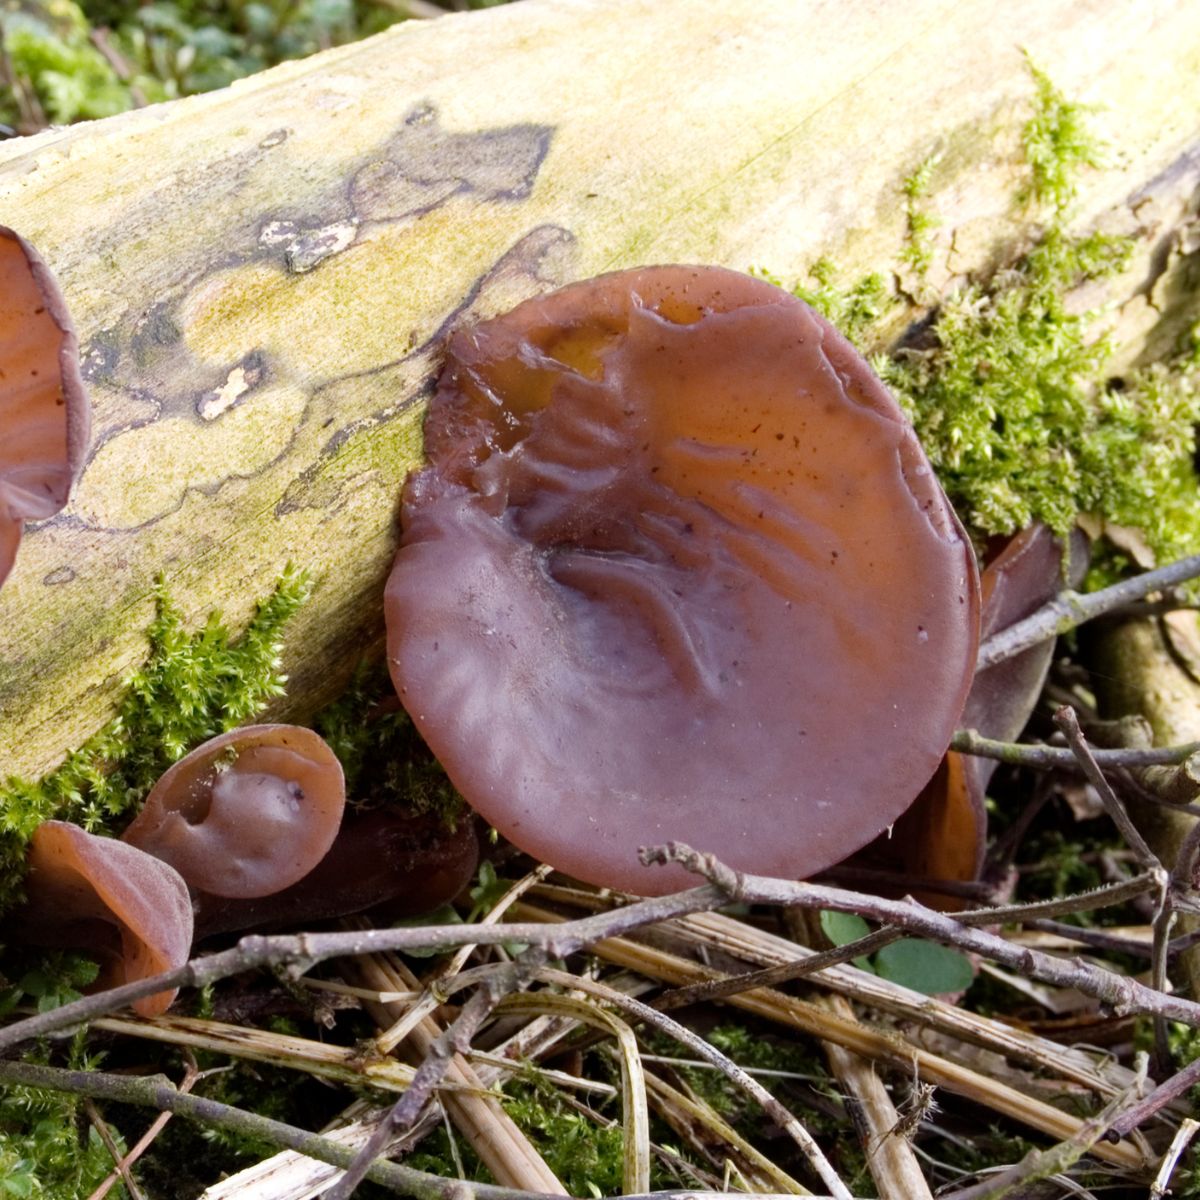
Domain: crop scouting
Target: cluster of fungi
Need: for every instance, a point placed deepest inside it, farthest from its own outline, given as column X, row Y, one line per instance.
column 677, row 568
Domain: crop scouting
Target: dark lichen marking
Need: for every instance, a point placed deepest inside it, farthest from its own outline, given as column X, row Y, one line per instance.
column 422, row 167
column 63, row 574
column 146, row 358
column 537, row 262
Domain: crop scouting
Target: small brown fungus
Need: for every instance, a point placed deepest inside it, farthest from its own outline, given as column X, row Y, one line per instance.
column 247, row 813
column 109, row 899
column 678, row 569
column 45, row 418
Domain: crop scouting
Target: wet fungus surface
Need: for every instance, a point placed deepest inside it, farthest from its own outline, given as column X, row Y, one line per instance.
column 246, row 814
column 113, row 900
column 678, row 569
column 45, row 418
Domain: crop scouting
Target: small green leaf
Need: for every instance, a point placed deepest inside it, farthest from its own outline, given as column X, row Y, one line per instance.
column 842, row 929
column 924, row 966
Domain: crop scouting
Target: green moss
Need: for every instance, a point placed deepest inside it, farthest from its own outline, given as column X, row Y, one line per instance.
column 1057, row 142
column 585, row 1155
column 48, row 1147
column 854, row 309
column 384, row 758
column 193, row 686
column 918, row 246
column 1007, row 386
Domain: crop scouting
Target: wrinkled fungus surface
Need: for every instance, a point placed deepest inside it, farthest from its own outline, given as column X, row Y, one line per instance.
column 678, row 569
column 45, row 418
column 108, row 899
column 247, row 813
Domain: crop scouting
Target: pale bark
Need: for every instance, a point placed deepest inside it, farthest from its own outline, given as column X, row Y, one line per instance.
column 262, row 276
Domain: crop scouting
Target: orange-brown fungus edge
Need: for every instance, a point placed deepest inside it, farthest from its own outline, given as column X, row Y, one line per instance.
column 105, row 897
column 678, row 569
column 45, row 417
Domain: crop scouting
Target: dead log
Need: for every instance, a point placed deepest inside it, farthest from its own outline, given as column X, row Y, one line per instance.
column 262, row 276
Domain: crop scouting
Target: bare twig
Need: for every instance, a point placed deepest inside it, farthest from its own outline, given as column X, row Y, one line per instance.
column 1071, row 608
column 305, row 949
column 1122, row 994
column 123, row 1172
column 156, row 1091
column 191, row 1075
column 1068, row 722
column 497, row 983
column 1164, row 914
column 1040, row 757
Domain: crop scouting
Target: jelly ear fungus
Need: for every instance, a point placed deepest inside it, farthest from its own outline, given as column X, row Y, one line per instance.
column 678, row 569
column 45, row 418
column 113, row 900
column 246, row 814
column 253, row 821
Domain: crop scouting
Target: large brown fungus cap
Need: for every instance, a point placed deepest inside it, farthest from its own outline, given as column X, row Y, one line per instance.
column 246, row 814
column 45, row 418
column 678, row 570
column 107, row 898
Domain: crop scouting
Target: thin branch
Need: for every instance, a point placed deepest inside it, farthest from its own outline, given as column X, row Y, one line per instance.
column 1068, row 722
column 156, row 1091
column 306, row 949
column 190, row 1076
column 719, row 989
column 1164, row 913
column 1121, row 993
column 1021, row 754
column 1072, row 608
column 121, row 1167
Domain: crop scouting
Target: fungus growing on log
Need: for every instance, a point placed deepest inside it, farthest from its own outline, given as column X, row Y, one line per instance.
column 247, row 813
column 45, row 419
column 109, row 899
column 678, row 568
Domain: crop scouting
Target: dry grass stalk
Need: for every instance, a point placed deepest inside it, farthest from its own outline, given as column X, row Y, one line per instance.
column 636, row 1178
column 863, row 1040
column 478, row 1116
column 1099, row 1073
column 716, row 931
column 711, row 1136
column 890, row 1158
column 342, row 1064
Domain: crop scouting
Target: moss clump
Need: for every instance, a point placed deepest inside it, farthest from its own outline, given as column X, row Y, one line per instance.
column 1007, row 387
column 48, row 1147
column 193, row 686
column 854, row 310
